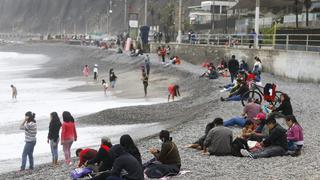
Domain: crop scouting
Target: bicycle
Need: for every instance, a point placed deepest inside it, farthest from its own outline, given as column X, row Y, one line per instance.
column 257, row 94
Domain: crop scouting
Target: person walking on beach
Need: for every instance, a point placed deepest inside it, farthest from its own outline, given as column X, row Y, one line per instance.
column 53, row 136
column 29, row 125
column 95, row 72
column 112, row 78
column 147, row 64
column 105, row 86
column 145, row 82
column 86, row 71
column 14, row 92
column 68, row 135
column 233, row 66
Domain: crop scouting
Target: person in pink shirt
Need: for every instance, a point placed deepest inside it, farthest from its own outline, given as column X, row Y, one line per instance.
column 68, row 135
column 294, row 135
column 86, row 71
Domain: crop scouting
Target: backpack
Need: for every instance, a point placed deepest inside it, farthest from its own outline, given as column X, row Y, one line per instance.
column 237, row 145
column 160, row 171
column 80, row 173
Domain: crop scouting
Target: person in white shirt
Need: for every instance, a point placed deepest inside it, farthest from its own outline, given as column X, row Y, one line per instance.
column 95, row 72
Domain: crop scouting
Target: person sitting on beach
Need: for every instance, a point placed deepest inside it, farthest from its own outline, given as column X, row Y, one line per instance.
column 250, row 111
column 244, row 66
column 219, row 139
column 232, row 87
column 211, row 73
column 247, row 130
column 199, row 143
column 174, row 91
column 261, row 131
column 294, row 135
column 239, row 94
column 167, row 159
column 274, row 145
column 124, row 161
column 129, row 146
column 85, row 155
column 14, row 92
column 105, row 86
column 102, row 158
column 285, row 107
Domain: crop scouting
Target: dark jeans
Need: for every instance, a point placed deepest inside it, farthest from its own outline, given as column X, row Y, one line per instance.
column 28, row 151
column 145, row 87
column 234, row 98
column 164, row 59
column 270, row 151
column 114, row 178
column 233, row 76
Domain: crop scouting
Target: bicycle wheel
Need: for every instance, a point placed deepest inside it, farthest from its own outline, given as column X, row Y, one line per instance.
column 251, row 94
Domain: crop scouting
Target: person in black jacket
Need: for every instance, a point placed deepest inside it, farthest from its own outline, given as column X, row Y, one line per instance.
column 112, row 78
column 233, row 66
column 238, row 94
column 127, row 143
column 103, row 158
column 53, row 136
column 285, row 108
column 124, row 161
column 274, row 145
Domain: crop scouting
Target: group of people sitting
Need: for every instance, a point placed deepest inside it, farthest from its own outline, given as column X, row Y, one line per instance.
column 262, row 136
column 123, row 161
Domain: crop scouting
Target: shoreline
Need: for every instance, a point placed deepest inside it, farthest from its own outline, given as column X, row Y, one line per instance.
column 187, row 119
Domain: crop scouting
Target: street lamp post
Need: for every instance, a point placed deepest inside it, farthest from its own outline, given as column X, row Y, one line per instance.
column 125, row 15
column 257, row 23
column 179, row 31
column 145, row 12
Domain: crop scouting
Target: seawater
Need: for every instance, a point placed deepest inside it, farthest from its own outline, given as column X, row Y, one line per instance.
column 45, row 95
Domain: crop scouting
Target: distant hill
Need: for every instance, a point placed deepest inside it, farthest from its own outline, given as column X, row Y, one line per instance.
column 43, row 16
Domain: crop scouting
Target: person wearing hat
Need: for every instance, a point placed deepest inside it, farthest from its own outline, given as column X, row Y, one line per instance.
column 95, row 72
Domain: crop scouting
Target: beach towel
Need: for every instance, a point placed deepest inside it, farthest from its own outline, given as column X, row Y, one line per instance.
column 80, row 173
column 181, row 173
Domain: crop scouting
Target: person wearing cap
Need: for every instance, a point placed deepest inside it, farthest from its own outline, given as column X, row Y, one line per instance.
column 103, row 156
column 274, row 145
column 95, row 72
column 250, row 111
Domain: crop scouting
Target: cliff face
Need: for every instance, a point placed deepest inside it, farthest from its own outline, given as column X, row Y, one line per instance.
column 43, row 16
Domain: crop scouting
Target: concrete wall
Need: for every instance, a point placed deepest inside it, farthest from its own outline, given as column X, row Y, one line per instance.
column 298, row 65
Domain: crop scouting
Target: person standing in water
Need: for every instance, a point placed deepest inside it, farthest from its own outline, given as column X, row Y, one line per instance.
column 112, row 78
column 53, row 136
column 86, row 71
column 145, row 82
column 29, row 126
column 95, row 72
column 14, row 92
column 105, row 86
column 147, row 64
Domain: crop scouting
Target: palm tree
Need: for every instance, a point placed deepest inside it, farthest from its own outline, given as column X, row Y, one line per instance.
column 307, row 5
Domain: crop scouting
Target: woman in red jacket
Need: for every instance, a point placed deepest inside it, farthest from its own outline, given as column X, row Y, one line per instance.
column 68, row 135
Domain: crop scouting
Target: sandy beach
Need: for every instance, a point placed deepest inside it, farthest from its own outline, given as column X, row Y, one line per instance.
column 186, row 118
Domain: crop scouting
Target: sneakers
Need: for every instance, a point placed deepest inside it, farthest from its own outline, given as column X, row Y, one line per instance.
column 222, row 99
column 296, row 153
column 246, row 153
